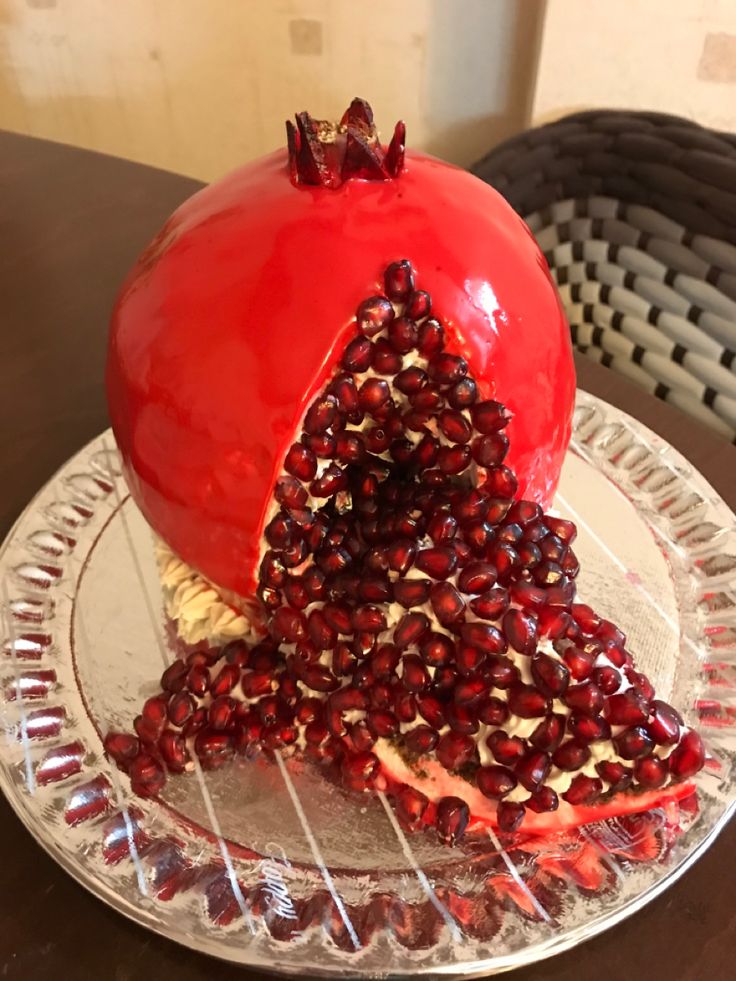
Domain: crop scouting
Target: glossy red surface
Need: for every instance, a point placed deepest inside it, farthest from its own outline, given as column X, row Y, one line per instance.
column 228, row 323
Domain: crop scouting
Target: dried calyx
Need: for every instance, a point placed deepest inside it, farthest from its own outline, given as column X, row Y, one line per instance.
column 326, row 154
column 421, row 619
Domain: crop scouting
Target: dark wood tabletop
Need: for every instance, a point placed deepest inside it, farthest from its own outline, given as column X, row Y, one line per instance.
column 71, row 223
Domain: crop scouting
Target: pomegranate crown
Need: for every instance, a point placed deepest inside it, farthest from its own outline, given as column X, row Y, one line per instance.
column 325, row 154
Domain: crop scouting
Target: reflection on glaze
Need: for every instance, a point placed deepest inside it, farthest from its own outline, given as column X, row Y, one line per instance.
column 224, row 330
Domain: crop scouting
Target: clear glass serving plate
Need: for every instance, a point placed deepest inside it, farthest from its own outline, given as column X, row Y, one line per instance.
column 267, row 863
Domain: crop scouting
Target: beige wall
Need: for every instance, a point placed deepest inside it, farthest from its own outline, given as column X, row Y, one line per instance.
column 675, row 56
column 199, row 86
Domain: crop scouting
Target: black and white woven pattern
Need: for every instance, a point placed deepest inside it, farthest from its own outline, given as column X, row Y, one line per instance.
column 646, row 268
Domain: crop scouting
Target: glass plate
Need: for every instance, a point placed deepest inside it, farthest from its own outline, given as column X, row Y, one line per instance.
column 267, row 863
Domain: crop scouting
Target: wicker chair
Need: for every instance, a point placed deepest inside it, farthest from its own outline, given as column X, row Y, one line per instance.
column 636, row 215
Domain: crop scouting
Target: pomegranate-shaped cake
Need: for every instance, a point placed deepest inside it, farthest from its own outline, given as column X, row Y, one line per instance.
column 342, row 386
column 263, row 287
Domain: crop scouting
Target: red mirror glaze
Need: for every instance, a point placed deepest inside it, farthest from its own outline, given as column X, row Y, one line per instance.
column 236, row 313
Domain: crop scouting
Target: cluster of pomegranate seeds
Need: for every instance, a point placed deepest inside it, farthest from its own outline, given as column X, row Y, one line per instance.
column 413, row 600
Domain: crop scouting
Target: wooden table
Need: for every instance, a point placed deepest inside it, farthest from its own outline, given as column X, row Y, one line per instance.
column 71, row 223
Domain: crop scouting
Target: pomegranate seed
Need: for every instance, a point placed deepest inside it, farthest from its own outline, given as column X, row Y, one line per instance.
column 385, row 660
column 438, row 562
column 561, row 595
column 493, row 711
column 418, row 305
column 431, row 338
column 506, row 749
column 476, row 577
column 442, row 528
column 521, row 631
column 383, row 724
column 570, row 755
column 174, row 752
column 470, row 690
column 363, row 645
column 281, row 531
column 147, row 778
column 436, row 649
column 527, row 702
column 633, row 743
column 641, row 683
column 400, row 555
column 544, row 800
column 256, row 683
column 588, row 728
column 495, row 781
column 461, row 718
column 447, row 604
column 121, row 747
column 664, row 723
column 288, row 625
column 563, row 529
column 687, row 758
column 350, row 448
column 489, row 416
column 491, row 605
column 463, row 394
column 455, row 426
column 213, row 748
column 197, row 722
column 319, row 678
column 147, row 731
column 431, row 710
column 548, row 573
column 532, row 770
column 501, row 482
column 453, row 815
column 618, row 656
column 609, row 633
column 479, row 536
column 585, row 698
column 585, row 617
column 369, row 619
column 410, row 629
column 615, row 774
column 510, row 815
column 357, row 357
column 314, row 584
column 447, row 369
column 405, row 706
column 322, row 635
column 509, row 532
column 220, row 712
column 410, row 806
column 469, row 660
column 420, row 740
column 553, row 622
column 386, row 360
column 414, row 674
column 505, row 558
column 453, row 459
column 300, row 462
column 608, row 680
column 550, row 675
column 343, row 661
column 290, row 492
column 529, row 555
column 502, row 673
column 547, row 736
column 490, row 451
column 181, row 708
column 528, row 595
column 484, row 637
column 403, row 334
column 373, row 315
column 359, row 770
column 399, row 280
column 344, row 390
column 583, row 790
column 579, row 662
column 309, row 710
column 373, row 393
column 627, row 709
column 651, row 772
column 338, row 616
column 321, row 444
column 174, row 677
